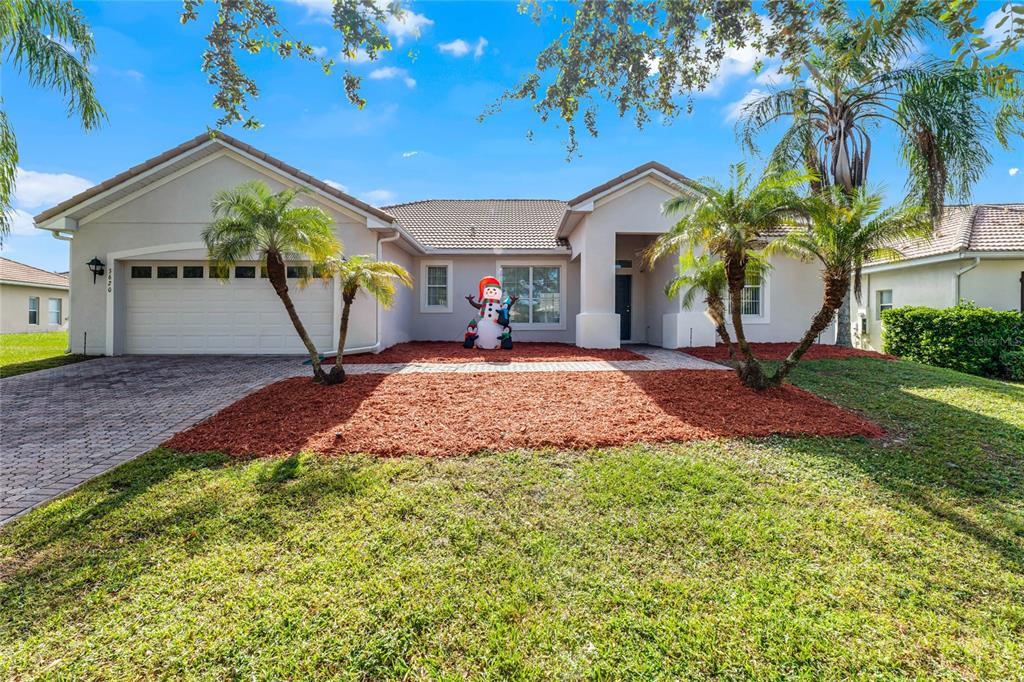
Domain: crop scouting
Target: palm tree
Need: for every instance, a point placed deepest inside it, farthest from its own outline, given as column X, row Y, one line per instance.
column 705, row 275
column 842, row 232
column 378, row 278
column 732, row 223
column 50, row 42
column 861, row 81
column 251, row 221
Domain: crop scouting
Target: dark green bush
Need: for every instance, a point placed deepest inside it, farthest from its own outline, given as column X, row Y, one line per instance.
column 965, row 338
column 1013, row 364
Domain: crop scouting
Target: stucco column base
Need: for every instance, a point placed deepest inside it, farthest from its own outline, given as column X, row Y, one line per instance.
column 597, row 330
column 687, row 330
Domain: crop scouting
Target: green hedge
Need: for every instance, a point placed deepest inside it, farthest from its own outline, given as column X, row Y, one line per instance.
column 965, row 338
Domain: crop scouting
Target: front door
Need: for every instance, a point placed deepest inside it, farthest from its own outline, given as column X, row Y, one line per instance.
column 624, row 305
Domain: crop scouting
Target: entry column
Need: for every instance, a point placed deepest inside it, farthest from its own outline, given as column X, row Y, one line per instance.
column 597, row 325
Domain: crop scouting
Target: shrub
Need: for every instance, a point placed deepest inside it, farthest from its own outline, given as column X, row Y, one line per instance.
column 965, row 338
column 1013, row 364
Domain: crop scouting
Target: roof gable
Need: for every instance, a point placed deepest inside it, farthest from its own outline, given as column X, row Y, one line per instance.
column 178, row 157
column 651, row 168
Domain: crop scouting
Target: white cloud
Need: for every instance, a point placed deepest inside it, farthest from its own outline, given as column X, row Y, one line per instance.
column 481, row 45
column 996, row 35
column 770, row 76
column 456, row 48
column 319, row 51
column 411, row 25
column 406, row 155
column 336, row 185
column 460, row 47
column 34, row 189
column 735, row 109
column 379, row 196
column 1014, row 171
column 21, row 223
column 390, row 72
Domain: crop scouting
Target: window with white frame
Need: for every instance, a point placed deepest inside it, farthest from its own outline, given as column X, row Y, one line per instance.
column 752, row 297
column 884, row 302
column 55, row 311
column 436, row 285
column 539, row 288
column 33, row 310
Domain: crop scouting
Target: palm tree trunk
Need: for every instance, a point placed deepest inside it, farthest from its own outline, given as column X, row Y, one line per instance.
column 749, row 369
column 835, row 288
column 277, row 275
column 337, row 374
column 716, row 309
column 843, row 336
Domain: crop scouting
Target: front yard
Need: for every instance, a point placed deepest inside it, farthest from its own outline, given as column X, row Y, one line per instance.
column 21, row 353
column 779, row 557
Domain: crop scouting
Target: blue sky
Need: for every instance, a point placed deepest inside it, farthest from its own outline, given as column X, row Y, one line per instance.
column 418, row 136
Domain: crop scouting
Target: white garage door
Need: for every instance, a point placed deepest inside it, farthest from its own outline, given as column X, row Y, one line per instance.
column 178, row 308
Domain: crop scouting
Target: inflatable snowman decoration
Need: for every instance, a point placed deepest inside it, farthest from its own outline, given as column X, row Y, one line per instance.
column 490, row 329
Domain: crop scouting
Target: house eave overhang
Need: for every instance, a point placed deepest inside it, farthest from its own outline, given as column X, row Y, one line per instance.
column 940, row 258
column 121, row 184
column 36, row 285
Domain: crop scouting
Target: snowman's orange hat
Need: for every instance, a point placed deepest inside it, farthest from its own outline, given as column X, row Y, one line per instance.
column 488, row 281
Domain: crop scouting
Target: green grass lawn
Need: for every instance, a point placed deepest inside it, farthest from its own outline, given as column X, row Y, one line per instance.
column 21, row 353
column 774, row 558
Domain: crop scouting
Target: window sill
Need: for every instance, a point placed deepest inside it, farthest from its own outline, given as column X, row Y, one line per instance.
column 434, row 309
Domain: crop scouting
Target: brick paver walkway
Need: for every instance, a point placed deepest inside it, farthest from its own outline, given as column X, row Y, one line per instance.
column 63, row 426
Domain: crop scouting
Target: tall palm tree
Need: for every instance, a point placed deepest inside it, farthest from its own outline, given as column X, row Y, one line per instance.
column 731, row 223
column 51, row 44
column 842, row 232
column 251, row 221
column 704, row 275
column 378, row 278
column 862, row 81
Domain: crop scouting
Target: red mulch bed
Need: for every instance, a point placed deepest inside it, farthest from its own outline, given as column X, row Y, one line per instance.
column 779, row 351
column 452, row 351
column 454, row 414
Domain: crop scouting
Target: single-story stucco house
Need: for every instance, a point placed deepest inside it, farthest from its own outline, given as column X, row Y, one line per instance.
column 976, row 253
column 576, row 265
column 31, row 299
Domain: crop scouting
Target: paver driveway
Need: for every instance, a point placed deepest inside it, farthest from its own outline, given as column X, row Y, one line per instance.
column 60, row 427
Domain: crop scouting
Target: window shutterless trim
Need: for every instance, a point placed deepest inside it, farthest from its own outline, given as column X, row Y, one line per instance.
column 449, row 276
column 541, row 263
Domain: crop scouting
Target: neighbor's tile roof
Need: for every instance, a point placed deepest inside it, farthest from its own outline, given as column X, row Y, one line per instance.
column 482, row 223
column 13, row 271
column 972, row 227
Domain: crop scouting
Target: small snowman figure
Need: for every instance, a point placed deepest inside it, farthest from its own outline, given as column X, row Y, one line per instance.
column 492, row 321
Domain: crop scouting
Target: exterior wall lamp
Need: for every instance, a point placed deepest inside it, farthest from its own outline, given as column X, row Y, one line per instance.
column 96, row 268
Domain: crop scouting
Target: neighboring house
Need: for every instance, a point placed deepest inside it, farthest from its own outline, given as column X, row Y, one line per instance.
column 576, row 265
column 31, row 300
column 976, row 253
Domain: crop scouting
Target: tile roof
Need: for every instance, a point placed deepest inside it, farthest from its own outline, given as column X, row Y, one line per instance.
column 971, row 227
column 197, row 141
column 482, row 223
column 13, row 271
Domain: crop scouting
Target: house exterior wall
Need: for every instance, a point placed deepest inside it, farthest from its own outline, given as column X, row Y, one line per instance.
column 169, row 216
column 995, row 283
column 793, row 295
column 466, row 272
column 14, row 309
column 396, row 322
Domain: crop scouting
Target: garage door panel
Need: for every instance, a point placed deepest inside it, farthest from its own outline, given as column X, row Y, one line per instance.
column 208, row 316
